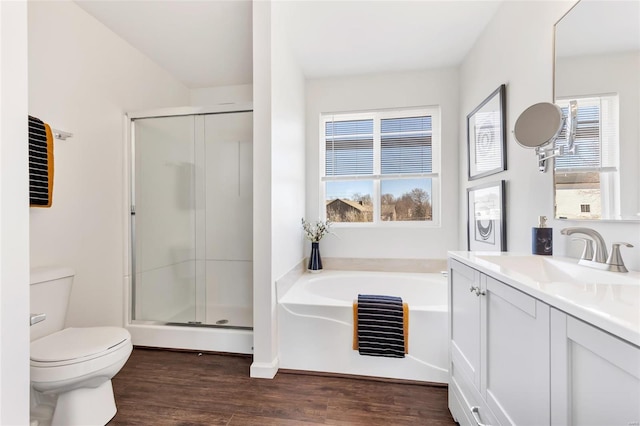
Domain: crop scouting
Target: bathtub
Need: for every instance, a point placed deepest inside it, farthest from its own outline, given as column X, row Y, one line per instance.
column 315, row 324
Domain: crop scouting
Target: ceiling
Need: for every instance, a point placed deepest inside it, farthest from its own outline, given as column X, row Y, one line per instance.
column 209, row 43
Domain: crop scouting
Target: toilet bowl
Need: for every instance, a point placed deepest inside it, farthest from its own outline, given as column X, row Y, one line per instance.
column 71, row 368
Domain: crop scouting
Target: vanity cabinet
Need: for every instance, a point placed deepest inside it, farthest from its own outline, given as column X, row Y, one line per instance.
column 595, row 376
column 518, row 360
column 499, row 351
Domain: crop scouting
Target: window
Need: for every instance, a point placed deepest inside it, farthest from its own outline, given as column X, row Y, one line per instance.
column 381, row 166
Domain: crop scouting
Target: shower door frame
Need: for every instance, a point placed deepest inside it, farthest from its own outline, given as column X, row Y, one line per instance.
column 207, row 337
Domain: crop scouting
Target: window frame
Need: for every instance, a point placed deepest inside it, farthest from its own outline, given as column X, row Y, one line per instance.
column 377, row 176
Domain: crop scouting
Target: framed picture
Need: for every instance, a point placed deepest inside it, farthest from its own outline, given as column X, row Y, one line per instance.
column 487, row 136
column 486, row 217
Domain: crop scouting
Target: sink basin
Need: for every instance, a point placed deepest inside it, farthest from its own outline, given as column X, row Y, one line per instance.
column 543, row 270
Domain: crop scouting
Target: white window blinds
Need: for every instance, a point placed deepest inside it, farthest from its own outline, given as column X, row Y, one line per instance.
column 405, row 145
column 349, row 147
column 379, row 144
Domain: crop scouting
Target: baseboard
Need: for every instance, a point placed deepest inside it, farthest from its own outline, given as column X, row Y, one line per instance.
column 264, row 370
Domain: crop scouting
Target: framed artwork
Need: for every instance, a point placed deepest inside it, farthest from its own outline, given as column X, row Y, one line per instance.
column 487, row 136
column 486, row 217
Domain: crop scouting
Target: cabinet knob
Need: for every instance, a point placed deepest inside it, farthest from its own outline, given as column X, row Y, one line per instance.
column 477, row 290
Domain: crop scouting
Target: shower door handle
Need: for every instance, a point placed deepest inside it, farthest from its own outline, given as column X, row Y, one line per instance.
column 36, row 318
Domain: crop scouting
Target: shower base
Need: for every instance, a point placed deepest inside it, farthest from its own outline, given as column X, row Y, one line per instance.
column 197, row 338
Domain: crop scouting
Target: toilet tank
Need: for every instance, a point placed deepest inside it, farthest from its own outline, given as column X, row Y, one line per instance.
column 49, row 291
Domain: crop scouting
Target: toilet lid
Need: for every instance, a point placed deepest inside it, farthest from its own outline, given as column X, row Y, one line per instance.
column 74, row 343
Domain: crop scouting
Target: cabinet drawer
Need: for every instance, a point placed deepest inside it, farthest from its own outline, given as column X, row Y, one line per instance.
column 465, row 397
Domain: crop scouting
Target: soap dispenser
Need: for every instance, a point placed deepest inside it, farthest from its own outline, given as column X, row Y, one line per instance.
column 542, row 238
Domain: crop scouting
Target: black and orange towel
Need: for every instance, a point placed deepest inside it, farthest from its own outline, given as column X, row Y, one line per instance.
column 40, row 163
column 380, row 326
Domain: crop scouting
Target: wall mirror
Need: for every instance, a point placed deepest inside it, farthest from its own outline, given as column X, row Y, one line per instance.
column 597, row 64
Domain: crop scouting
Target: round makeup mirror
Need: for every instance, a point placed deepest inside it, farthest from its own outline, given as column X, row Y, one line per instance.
column 538, row 125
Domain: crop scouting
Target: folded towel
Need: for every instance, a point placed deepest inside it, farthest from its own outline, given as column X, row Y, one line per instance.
column 40, row 163
column 381, row 326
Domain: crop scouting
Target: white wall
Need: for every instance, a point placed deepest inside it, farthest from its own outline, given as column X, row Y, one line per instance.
column 516, row 48
column 278, row 172
column 264, row 351
column 383, row 91
column 208, row 96
column 287, row 146
column 82, row 79
column 14, row 222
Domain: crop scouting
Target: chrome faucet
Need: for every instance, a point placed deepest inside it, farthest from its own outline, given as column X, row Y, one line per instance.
column 600, row 253
column 598, row 258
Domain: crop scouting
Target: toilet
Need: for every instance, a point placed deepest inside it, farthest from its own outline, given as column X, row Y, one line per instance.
column 71, row 368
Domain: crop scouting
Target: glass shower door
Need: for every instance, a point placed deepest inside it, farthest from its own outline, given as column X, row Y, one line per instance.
column 164, row 220
column 192, row 220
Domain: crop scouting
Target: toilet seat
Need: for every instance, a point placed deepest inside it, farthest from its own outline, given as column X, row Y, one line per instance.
column 77, row 345
column 78, row 357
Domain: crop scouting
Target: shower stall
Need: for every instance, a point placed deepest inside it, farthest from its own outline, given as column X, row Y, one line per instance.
column 191, row 214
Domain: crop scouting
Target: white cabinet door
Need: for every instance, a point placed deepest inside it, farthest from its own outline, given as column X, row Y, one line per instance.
column 595, row 377
column 465, row 322
column 464, row 329
column 515, row 373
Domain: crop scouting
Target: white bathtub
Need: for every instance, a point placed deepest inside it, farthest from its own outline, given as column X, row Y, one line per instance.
column 315, row 324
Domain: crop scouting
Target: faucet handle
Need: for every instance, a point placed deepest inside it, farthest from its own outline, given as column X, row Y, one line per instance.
column 615, row 258
column 587, row 253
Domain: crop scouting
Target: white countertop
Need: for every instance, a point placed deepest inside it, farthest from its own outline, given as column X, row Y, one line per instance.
column 608, row 300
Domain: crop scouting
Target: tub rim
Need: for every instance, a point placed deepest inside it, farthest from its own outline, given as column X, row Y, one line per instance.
column 319, row 300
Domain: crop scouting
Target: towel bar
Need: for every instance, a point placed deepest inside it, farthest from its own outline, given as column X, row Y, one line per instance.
column 61, row 135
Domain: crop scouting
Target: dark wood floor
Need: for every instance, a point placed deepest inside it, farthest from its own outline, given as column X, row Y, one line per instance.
column 181, row 388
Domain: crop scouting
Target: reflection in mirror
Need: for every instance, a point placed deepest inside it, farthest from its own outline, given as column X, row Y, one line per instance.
column 588, row 183
column 597, row 65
